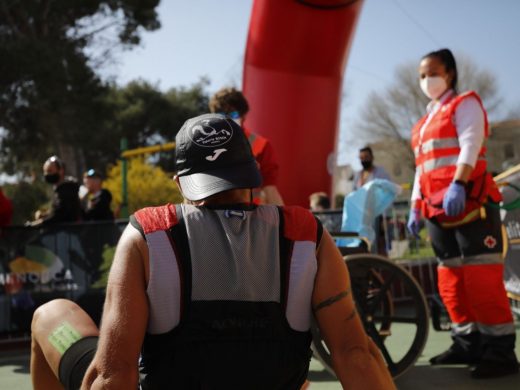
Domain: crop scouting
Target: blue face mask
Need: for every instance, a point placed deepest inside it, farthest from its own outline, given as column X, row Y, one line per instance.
column 235, row 115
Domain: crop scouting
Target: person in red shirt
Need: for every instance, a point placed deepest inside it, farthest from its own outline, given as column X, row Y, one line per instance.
column 231, row 102
column 6, row 210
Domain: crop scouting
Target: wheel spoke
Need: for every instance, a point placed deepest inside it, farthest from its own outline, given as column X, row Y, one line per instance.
column 374, row 334
column 376, row 301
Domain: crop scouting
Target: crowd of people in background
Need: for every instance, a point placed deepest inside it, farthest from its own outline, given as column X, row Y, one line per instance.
column 67, row 205
column 72, row 202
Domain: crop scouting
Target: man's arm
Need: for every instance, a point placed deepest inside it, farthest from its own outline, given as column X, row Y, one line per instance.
column 272, row 195
column 356, row 360
column 125, row 316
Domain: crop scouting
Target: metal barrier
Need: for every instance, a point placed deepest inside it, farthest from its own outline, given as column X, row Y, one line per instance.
column 72, row 261
column 60, row 261
column 510, row 214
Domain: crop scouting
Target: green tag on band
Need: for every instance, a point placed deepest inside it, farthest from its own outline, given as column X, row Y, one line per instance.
column 63, row 337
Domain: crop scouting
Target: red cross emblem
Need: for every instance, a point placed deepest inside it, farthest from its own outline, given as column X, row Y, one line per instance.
column 490, row 242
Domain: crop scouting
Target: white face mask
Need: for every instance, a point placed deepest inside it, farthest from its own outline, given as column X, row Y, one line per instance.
column 433, row 87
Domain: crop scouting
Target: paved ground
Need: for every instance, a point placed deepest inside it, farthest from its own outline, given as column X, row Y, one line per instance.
column 14, row 372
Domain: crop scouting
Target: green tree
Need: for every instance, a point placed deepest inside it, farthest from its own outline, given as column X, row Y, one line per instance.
column 51, row 99
column 144, row 116
column 147, row 185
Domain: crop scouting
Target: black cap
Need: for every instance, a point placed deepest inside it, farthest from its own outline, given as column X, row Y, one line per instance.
column 213, row 155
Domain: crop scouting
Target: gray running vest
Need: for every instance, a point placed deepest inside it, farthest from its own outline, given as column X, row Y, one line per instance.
column 229, row 296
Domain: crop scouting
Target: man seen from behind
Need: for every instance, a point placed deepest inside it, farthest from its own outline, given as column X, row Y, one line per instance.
column 216, row 293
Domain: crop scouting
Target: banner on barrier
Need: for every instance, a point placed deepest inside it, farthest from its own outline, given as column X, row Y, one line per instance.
column 63, row 261
column 510, row 187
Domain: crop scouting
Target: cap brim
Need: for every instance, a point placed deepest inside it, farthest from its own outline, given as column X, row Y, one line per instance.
column 202, row 185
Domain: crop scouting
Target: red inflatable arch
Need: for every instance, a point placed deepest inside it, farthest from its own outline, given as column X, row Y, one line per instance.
column 293, row 71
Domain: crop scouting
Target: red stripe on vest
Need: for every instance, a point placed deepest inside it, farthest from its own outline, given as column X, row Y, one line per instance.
column 300, row 224
column 256, row 141
column 153, row 219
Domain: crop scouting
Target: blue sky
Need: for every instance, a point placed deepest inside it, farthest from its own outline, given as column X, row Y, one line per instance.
column 208, row 37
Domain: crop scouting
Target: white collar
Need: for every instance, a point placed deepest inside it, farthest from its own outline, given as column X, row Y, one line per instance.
column 435, row 104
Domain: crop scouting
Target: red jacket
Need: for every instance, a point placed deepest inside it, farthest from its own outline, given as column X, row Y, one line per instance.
column 264, row 155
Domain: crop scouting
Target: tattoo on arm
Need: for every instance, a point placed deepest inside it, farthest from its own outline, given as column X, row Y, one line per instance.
column 331, row 300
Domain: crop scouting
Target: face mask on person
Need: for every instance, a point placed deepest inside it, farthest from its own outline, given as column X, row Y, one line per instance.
column 52, row 178
column 366, row 164
column 433, row 87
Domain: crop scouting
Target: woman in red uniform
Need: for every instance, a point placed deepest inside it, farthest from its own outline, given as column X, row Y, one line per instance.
column 455, row 193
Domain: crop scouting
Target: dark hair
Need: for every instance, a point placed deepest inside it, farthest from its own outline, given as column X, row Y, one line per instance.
column 227, row 100
column 448, row 60
column 367, row 149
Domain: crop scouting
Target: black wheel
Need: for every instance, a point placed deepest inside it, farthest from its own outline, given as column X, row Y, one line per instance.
column 393, row 310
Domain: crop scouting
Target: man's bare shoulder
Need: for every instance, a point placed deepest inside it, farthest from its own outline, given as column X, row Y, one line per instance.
column 131, row 249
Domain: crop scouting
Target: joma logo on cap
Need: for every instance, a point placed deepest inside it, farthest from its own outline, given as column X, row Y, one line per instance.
column 205, row 135
column 216, row 153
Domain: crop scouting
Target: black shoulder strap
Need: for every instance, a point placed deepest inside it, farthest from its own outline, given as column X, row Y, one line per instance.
column 179, row 240
column 135, row 223
column 286, row 247
column 319, row 232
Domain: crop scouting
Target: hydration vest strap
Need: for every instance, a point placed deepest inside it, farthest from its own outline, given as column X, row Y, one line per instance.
column 286, row 248
column 319, row 232
column 178, row 237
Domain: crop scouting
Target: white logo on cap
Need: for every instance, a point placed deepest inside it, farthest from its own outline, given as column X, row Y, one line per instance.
column 216, row 153
column 205, row 135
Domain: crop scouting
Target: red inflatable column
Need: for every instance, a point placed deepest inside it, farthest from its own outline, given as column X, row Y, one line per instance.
column 295, row 59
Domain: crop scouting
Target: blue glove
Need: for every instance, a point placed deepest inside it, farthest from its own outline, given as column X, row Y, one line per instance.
column 413, row 222
column 454, row 200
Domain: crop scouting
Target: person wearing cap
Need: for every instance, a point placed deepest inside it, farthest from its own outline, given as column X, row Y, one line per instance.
column 65, row 204
column 96, row 202
column 215, row 293
column 231, row 102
